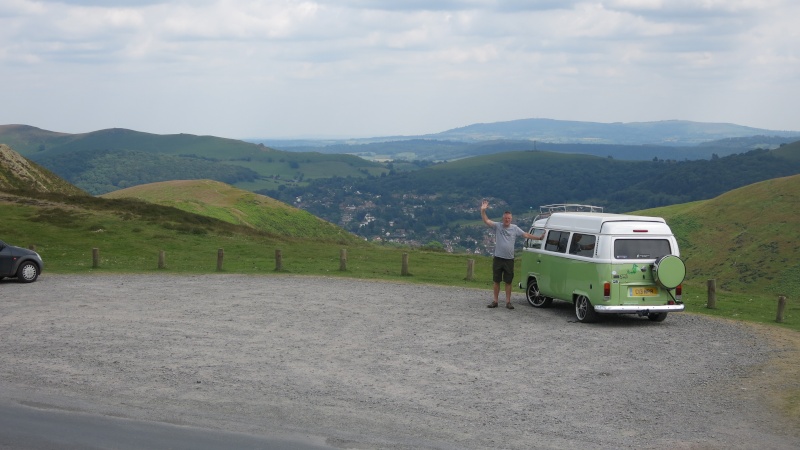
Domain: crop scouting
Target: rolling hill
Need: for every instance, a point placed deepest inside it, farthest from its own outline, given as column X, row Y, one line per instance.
column 182, row 204
column 18, row 173
column 447, row 150
column 107, row 160
column 224, row 202
column 439, row 202
column 748, row 238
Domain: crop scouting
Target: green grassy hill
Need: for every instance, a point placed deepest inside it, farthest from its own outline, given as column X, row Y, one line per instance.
column 130, row 233
column 526, row 180
column 748, row 241
column 18, row 173
column 106, row 160
column 748, row 238
column 224, row 202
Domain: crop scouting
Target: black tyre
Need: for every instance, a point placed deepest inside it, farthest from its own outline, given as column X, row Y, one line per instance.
column 657, row 317
column 28, row 272
column 535, row 298
column 584, row 310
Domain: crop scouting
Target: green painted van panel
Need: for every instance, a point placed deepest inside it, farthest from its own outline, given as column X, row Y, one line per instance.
column 560, row 276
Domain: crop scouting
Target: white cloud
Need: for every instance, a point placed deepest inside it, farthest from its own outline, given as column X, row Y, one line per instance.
column 360, row 67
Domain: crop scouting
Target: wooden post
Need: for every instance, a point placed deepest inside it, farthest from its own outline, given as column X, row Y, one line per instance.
column 712, row 294
column 278, row 260
column 781, row 307
column 220, row 258
column 343, row 260
column 404, row 268
column 470, row 269
column 162, row 259
column 95, row 258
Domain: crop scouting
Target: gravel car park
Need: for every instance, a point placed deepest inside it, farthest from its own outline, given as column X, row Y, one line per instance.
column 375, row 364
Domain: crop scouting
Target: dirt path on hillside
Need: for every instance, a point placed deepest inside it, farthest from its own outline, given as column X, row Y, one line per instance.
column 366, row 364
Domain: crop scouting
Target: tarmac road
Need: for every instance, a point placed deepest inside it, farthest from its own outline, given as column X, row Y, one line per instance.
column 38, row 427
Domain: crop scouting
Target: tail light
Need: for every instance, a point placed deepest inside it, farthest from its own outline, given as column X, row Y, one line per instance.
column 679, row 292
column 606, row 290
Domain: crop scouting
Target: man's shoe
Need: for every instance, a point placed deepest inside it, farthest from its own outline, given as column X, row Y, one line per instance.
column 492, row 305
column 509, row 306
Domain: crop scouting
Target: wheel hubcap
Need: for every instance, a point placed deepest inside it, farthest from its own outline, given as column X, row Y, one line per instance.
column 534, row 296
column 28, row 272
column 581, row 308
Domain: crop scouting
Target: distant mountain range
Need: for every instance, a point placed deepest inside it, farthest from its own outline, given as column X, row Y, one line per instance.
column 668, row 132
column 671, row 139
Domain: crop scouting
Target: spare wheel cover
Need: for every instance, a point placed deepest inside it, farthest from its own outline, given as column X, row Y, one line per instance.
column 669, row 271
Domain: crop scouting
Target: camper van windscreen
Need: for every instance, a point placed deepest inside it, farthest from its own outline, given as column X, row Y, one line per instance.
column 641, row 248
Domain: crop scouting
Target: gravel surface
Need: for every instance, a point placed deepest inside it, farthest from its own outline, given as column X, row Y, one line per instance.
column 370, row 364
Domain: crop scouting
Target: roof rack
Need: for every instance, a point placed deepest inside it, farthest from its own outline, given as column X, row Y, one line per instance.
column 546, row 210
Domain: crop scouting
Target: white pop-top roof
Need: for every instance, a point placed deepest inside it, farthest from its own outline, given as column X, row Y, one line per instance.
column 605, row 223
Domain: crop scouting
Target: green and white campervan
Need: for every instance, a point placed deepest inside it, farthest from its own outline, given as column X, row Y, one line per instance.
column 603, row 263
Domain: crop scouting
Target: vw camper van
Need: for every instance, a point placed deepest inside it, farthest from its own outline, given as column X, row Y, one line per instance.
column 602, row 263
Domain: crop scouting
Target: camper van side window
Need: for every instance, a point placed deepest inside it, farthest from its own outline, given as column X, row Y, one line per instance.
column 557, row 241
column 641, row 248
column 582, row 244
column 532, row 243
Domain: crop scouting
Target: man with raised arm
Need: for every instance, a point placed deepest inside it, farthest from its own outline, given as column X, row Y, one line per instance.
column 505, row 236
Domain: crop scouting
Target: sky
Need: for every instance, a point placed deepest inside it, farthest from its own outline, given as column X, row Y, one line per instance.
column 365, row 68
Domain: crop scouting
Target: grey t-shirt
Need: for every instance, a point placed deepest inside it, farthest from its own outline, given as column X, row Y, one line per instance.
column 504, row 239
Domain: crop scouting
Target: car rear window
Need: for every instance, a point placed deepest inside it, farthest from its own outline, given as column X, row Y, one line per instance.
column 641, row 248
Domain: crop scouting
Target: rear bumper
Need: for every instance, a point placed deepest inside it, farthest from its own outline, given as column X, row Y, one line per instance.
column 636, row 309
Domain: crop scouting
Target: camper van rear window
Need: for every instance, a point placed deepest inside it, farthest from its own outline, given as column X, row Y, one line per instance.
column 641, row 248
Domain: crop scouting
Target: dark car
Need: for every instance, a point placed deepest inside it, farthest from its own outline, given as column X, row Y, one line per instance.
column 19, row 262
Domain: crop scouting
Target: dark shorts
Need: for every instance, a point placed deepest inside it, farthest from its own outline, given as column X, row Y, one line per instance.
column 502, row 270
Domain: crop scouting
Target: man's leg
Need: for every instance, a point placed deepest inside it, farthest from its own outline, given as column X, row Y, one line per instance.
column 497, row 276
column 508, row 277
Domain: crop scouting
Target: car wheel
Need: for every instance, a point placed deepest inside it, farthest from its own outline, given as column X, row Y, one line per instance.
column 584, row 310
column 535, row 298
column 657, row 317
column 28, row 272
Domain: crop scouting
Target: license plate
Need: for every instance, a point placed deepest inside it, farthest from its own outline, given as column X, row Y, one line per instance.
column 643, row 291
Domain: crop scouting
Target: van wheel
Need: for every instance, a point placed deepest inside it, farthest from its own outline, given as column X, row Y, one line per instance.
column 535, row 298
column 657, row 317
column 584, row 310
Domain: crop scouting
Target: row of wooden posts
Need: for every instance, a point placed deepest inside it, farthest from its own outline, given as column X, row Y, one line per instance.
column 712, row 284
column 712, row 300
column 162, row 262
